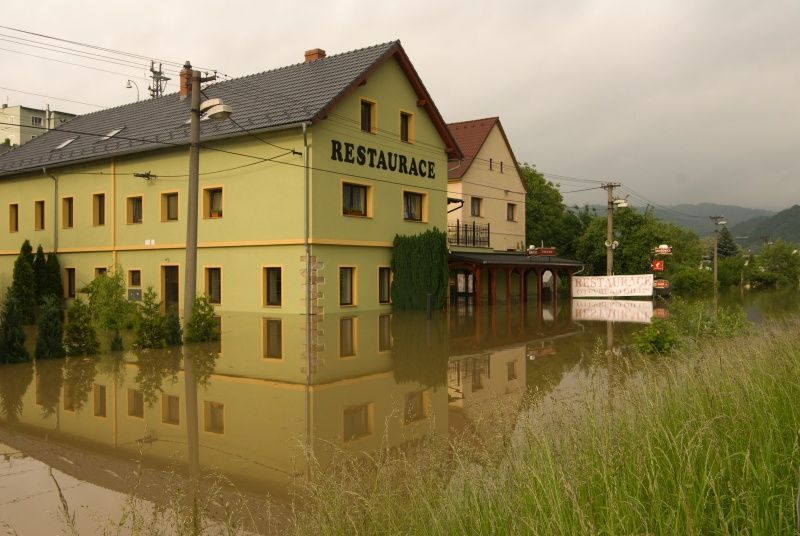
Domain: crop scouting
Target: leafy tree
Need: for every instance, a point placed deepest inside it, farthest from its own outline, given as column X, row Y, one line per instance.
column 202, row 325
column 49, row 342
column 730, row 271
column 80, row 337
column 54, row 285
column 778, row 265
column 110, row 309
column 40, row 274
column 79, row 377
column 12, row 336
column 726, row 246
column 150, row 331
column 23, row 284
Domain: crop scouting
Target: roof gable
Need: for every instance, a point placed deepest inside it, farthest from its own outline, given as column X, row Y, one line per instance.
column 270, row 100
column 471, row 136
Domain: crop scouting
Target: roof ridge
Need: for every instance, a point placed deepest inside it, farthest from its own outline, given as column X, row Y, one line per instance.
column 495, row 118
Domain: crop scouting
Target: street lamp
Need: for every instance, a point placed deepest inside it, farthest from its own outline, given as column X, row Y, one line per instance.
column 718, row 221
column 128, row 85
column 216, row 110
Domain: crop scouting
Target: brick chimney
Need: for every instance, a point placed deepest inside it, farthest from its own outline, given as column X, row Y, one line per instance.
column 186, row 80
column 314, row 54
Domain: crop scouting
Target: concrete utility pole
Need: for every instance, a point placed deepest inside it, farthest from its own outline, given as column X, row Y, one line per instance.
column 718, row 220
column 610, row 243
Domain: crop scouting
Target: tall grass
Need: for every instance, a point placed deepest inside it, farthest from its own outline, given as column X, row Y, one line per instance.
column 703, row 442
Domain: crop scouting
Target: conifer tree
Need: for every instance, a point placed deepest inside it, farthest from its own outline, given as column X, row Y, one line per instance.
column 12, row 337
column 54, row 284
column 40, row 274
column 23, row 284
column 49, row 342
column 173, row 330
column 80, row 337
column 202, row 325
column 726, row 246
column 150, row 332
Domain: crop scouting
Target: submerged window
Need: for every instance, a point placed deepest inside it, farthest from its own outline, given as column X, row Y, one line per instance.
column 170, row 409
column 272, row 286
column 414, row 407
column 346, row 284
column 347, row 337
column 135, row 403
column 273, row 338
column 214, row 413
column 384, row 284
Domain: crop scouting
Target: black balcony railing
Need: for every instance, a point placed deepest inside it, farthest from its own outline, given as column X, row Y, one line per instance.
column 468, row 234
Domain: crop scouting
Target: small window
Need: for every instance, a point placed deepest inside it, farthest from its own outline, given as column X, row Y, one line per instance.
column 214, row 413
column 99, row 210
column 99, row 400
column 367, row 116
column 272, row 286
column 37, row 121
column 357, row 422
column 273, row 338
column 384, row 284
column 135, row 209
column 413, row 204
column 69, row 287
column 135, row 403
column 13, row 218
column 384, row 333
column 511, row 212
column 415, row 407
column 406, row 127
column 100, row 271
column 347, row 337
column 134, row 278
column 38, row 216
column 476, row 206
column 111, row 134
column 67, row 212
column 169, row 206
column 65, row 143
column 346, row 286
column 354, row 199
column 212, row 202
column 170, row 409
column 511, row 368
column 214, row 285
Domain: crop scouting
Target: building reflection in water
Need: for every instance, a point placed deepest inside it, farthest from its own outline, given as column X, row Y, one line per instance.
column 253, row 405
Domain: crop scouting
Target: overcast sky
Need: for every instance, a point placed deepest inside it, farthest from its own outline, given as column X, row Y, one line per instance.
column 680, row 100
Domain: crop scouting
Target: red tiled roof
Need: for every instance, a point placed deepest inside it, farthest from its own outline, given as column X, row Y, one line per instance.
column 470, row 136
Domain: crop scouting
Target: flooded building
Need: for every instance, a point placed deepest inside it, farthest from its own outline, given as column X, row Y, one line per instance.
column 321, row 164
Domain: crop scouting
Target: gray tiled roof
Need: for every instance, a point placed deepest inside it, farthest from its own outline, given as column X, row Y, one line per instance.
column 269, row 100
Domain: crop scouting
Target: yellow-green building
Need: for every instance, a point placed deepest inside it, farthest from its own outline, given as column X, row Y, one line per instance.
column 331, row 157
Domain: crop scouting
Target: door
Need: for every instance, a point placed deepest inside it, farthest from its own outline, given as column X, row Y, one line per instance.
column 170, row 288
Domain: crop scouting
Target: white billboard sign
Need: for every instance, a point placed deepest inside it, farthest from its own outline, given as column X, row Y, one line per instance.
column 613, row 310
column 612, row 286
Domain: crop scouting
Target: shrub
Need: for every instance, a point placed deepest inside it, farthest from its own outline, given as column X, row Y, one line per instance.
column 12, row 336
column 80, row 337
column 691, row 280
column 54, row 285
column 109, row 307
column 660, row 337
column 150, row 332
column 49, row 341
column 202, row 325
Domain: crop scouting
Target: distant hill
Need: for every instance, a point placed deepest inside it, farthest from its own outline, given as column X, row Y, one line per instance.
column 784, row 225
column 696, row 217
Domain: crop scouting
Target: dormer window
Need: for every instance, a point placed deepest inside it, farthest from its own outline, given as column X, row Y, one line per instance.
column 65, row 143
column 111, row 134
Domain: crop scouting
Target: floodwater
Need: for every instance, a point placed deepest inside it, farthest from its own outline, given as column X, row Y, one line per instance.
column 254, row 408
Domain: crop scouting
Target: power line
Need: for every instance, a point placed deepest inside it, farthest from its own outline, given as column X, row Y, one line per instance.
column 583, row 190
column 646, row 200
column 51, row 97
column 71, row 63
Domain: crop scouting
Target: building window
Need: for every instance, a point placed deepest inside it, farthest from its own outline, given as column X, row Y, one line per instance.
column 67, row 212
column 368, row 122
column 384, row 284
column 346, row 286
column 357, row 422
column 135, row 403
column 100, row 271
column 214, row 285
column 511, row 368
column 384, row 333
column 69, row 398
column 98, row 210
column 134, row 278
column 347, row 337
column 476, row 206
column 413, row 205
column 38, row 215
column 354, row 199
column 511, row 212
column 212, row 203
column 170, row 409
column 406, row 127
column 414, row 407
column 169, row 207
column 99, row 400
column 70, row 282
column 214, row 417
column 273, row 338
column 13, row 218
column 135, row 209
column 37, row 121
column 272, row 286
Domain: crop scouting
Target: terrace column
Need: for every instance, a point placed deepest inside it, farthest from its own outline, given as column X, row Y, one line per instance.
column 508, row 285
column 492, row 286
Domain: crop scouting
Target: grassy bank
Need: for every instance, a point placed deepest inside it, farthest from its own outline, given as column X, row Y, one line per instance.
column 703, row 442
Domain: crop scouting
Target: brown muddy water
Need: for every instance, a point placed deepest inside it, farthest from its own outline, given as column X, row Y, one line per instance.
column 253, row 408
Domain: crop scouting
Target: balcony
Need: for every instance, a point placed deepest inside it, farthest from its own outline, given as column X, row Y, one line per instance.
column 468, row 234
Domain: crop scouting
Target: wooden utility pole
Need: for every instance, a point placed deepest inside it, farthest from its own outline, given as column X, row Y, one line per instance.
column 610, row 244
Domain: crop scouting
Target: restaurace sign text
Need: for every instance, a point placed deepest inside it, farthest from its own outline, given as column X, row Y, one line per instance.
column 376, row 158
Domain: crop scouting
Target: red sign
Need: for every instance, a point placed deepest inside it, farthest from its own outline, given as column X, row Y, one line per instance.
column 660, row 312
column 661, row 283
column 546, row 252
column 658, row 266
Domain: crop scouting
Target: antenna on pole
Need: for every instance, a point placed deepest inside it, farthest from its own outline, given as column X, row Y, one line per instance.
column 159, row 81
